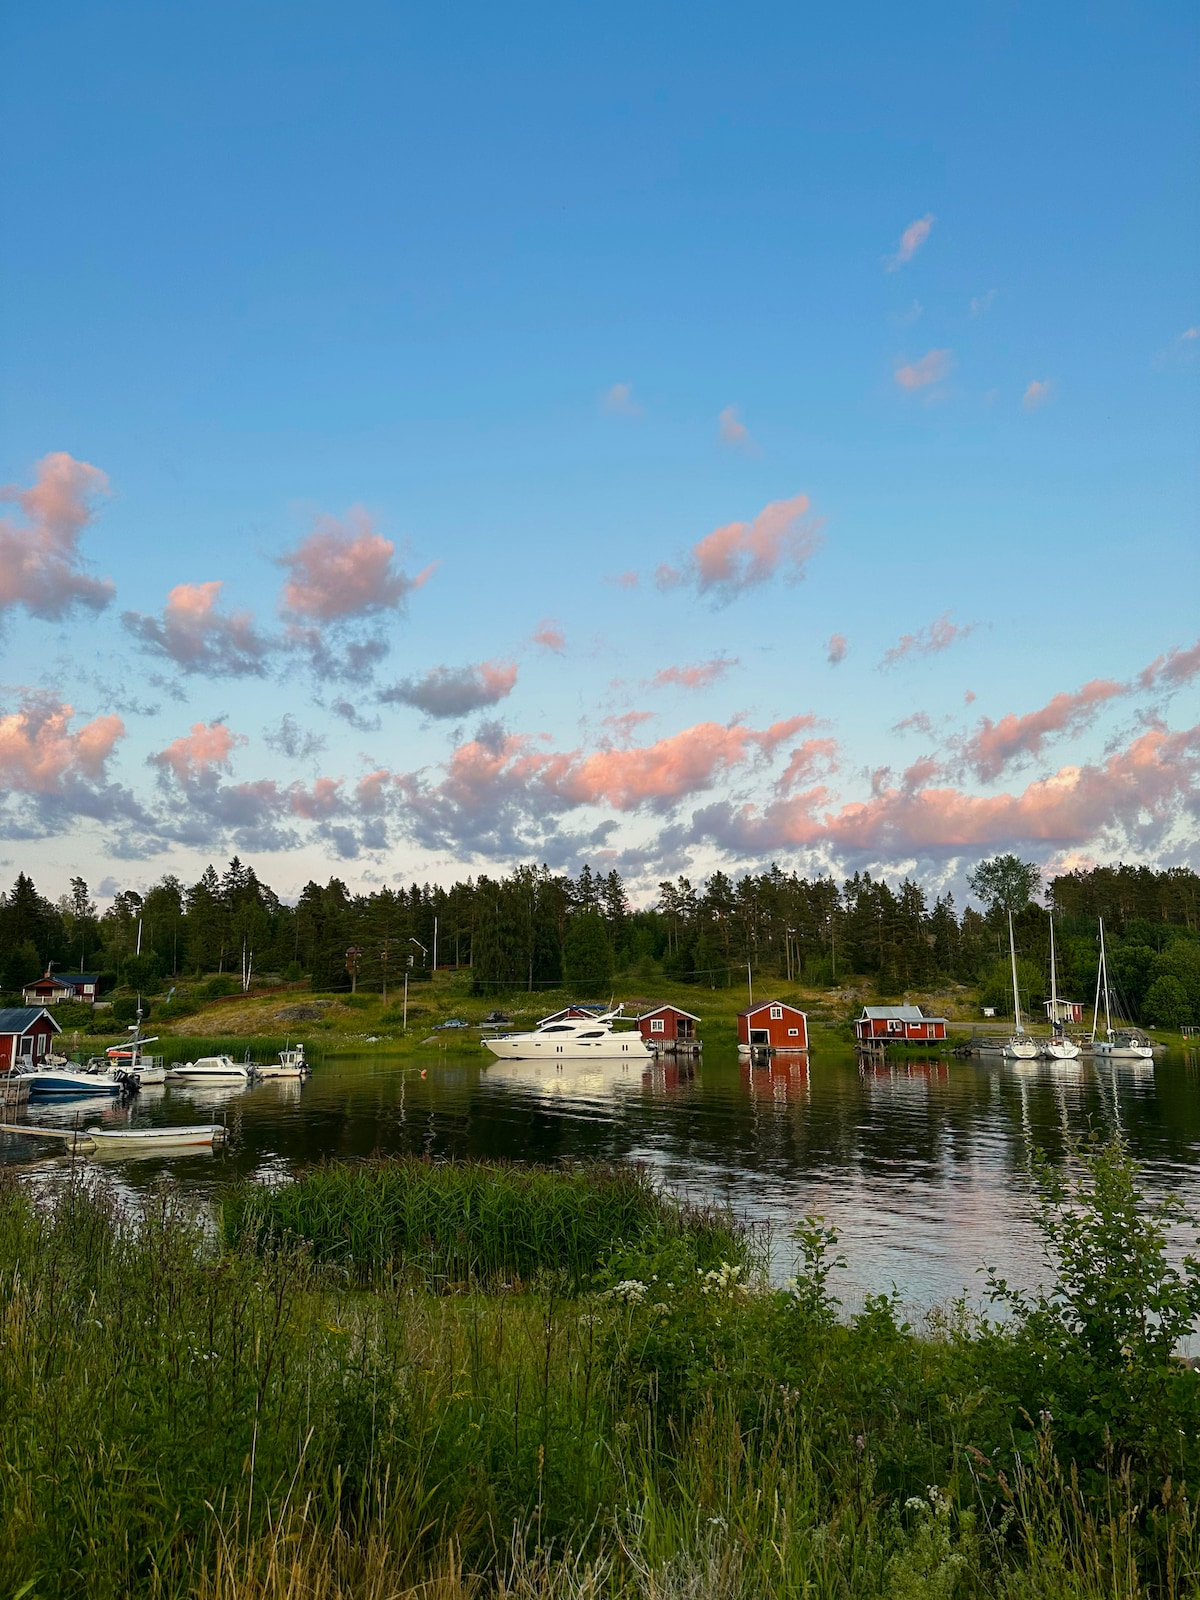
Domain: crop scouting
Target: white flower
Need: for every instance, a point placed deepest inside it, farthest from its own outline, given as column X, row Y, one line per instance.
column 631, row 1290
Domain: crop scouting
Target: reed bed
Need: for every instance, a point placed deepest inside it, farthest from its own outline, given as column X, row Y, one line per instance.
column 181, row 1418
column 477, row 1222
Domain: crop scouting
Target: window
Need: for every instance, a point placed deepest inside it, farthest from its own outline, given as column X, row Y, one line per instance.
column 658, row 1025
column 793, row 1033
column 776, row 1013
column 558, row 1027
column 597, row 1033
column 895, row 1025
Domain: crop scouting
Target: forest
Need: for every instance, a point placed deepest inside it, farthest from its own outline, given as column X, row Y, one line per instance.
column 534, row 929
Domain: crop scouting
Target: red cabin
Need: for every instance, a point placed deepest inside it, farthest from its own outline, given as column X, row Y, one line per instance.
column 26, row 1034
column 897, row 1025
column 772, row 1026
column 667, row 1025
column 56, row 986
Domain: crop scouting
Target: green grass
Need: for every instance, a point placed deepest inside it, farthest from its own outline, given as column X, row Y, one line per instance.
column 184, row 1418
column 477, row 1222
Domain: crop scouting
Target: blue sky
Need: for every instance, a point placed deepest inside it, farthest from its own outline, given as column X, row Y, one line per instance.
column 550, row 297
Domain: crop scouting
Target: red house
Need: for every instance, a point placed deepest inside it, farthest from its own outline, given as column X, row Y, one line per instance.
column 772, row 1026
column 667, row 1025
column 56, row 986
column 26, row 1033
column 1064, row 1011
column 898, row 1025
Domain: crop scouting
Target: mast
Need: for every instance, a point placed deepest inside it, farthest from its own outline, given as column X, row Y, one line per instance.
column 1099, row 976
column 1012, row 950
column 1104, row 973
column 1054, row 1022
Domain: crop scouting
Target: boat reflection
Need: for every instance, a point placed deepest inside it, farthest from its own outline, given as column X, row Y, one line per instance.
column 592, row 1083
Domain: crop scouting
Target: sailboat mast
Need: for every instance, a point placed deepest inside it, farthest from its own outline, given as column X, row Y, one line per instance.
column 1012, row 950
column 1053, row 978
column 1104, row 974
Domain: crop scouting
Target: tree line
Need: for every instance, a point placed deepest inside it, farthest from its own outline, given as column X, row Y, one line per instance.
column 534, row 929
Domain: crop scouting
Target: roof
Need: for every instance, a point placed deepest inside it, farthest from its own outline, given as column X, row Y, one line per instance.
column 763, row 1004
column 666, row 1005
column 19, row 1019
column 73, row 979
column 896, row 1014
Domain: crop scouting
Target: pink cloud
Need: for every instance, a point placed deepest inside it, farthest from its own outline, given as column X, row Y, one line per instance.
column 930, row 640
column 741, row 555
column 994, row 744
column 39, row 752
column 344, row 569
column 700, row 675
column 1039, row 393
column 661, row 773
column 370, row 791
column 40, row 564
column 323, row 800
column 835, row 650
column 732, row 430
column 455, row 691
column 911, row 240
column 626, row 724
column 804, row 762
column 1174, row 669
column 198, row 636
column 1144, row 785
column 932, row 367
column 549, row 636
column 205, row 750
column 625, row 580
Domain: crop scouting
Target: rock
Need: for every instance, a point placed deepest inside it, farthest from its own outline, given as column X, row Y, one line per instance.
column 299, row 1014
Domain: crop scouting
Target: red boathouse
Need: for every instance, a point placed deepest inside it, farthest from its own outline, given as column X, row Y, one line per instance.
column 773, row 1025
column 667, row 1025
column 26, row 1033
column 897, row 1025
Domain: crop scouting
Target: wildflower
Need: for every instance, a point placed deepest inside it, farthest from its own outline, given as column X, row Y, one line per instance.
column 631, row 1290
column 724, row 1279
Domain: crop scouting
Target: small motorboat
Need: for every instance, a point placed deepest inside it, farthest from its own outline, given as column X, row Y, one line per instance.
column 131, row 1141
column 57, row 1077
column 211, row 1069
column 291, row 1064
column 132, row 1058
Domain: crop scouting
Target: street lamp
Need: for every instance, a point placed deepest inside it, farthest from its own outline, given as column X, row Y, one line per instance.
column 407, row 970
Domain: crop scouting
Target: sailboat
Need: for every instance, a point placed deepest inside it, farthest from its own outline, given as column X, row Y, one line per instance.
column 1118, row 1043
column 1058, row 1047
column 1020, row 1047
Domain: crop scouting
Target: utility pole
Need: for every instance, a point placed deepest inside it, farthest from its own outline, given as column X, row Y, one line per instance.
column 435, row 944
column 383, row 961
column 352, row 959
column 407, row 966
column 750, row 982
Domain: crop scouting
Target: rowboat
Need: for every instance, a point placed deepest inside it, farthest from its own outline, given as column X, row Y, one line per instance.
column 199, row 1136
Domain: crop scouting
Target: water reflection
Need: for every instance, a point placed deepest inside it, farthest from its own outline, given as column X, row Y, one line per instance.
column 921, row 1163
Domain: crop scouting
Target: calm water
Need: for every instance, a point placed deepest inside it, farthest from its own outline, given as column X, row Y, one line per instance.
column 921, row 1164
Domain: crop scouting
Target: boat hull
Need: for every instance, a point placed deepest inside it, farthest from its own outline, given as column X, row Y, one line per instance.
column 196, row 1138
column 1122, row 1052
column 1060, row 1050
column 46, row 1085
column 1020, row 1050
column 617, row 1047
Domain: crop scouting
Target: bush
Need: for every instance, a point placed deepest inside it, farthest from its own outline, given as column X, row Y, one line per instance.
column 222, row 986
column 293, row 972
column 125, row 1009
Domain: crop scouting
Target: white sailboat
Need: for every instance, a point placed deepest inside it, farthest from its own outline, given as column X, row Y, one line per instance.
column 1120, row 1044
column 1020, row 1047
column 1058, row 1047
column 572, row 1038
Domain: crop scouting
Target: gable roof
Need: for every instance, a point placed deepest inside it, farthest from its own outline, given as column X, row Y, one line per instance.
column 70, row 980
column 19, row 1019
column 763, row 1004
column 896, row 1014
column 666, row 1005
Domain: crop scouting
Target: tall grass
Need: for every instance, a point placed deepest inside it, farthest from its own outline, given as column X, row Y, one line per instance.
column 476, row 1222
column 180, row 1419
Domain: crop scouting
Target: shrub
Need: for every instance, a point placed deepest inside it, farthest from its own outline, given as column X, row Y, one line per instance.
column 222, row 986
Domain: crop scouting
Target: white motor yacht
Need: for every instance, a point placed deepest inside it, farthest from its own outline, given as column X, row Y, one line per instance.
column 211, row 1069
column 572, row 1038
